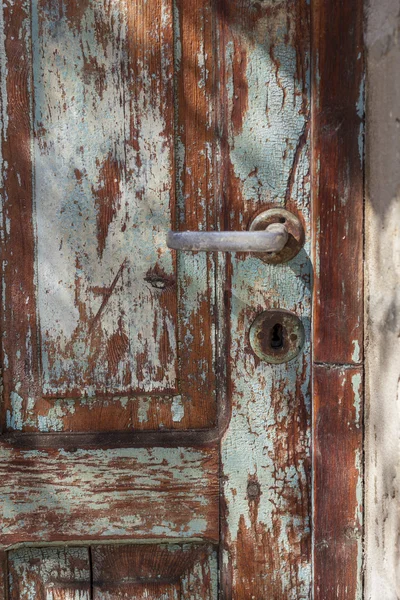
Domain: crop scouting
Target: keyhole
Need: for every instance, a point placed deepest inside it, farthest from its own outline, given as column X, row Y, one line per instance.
column 277, row 337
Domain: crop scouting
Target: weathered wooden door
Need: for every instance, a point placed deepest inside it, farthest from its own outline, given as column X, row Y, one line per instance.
column 146, row 450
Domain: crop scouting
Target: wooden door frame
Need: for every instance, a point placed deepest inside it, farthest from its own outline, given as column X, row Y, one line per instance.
column 338, row 224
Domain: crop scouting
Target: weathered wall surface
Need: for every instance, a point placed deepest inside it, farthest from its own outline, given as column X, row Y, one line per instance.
column 382, row 578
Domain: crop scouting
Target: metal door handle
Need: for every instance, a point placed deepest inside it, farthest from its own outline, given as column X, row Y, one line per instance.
column 272, row 239
column 275, row 235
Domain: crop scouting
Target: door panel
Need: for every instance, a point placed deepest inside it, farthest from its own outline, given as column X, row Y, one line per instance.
column 167, row 572
column 155, row 572
column 109, row 328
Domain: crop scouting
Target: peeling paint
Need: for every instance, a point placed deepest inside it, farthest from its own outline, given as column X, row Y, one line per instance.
column 177, row 409
column 271, row 404
column 357, row 391
column 152, row 493
column 356, row 352
column 360, row 106
column 107, row 152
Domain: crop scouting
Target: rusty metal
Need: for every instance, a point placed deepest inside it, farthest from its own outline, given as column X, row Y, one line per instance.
column 277, row 336
column 271, row 240
column 293, row 226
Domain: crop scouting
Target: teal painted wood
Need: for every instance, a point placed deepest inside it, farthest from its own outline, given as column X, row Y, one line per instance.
column 49, row 574
column 103, row 196
column 155, row 493
column 265, row 453
column 108, row 310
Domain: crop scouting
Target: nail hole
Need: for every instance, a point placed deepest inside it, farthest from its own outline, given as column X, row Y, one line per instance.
column 277, row 337
column 282, row 220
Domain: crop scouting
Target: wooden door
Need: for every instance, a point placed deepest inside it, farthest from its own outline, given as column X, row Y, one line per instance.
column 146, row 451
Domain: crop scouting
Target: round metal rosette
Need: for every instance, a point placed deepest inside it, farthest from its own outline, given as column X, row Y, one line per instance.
column 277, row 336
column 294, row 228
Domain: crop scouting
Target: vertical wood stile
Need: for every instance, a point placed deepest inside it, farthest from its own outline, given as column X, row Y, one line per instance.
column 264, row 96
column 337, row 184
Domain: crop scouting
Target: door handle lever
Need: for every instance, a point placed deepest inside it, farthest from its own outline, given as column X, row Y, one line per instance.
column 275, row 235
column 272, row 239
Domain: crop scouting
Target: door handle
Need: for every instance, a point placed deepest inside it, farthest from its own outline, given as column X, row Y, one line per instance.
column 275, row 235
column 272, row 239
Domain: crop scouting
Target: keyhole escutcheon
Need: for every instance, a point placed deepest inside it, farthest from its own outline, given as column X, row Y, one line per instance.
column 277, row 336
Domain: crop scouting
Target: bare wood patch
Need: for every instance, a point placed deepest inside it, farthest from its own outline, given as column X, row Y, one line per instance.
column 157, row 572
column 337, row 168
column 338, row 481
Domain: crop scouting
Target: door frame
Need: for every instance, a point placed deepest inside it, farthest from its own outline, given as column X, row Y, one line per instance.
column 338, row 363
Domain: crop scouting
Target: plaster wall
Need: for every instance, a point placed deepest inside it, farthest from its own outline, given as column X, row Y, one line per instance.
column 382, row 543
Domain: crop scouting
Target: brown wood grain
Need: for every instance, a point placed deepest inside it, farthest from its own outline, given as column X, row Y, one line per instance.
column 18, row 304
column 337, row 185
column 338, row 483
column 195, row 163
column 337, row 169
column 49, row 574
column 3, row 575
column 156, row 572
column 55, row 495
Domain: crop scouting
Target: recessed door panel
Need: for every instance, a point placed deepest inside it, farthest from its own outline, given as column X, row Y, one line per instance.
column 105, row 327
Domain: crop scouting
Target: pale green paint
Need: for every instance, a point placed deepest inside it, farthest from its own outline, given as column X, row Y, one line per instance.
column 357, row 391
column 262, row 154
column 355, row 357
column 99, row 479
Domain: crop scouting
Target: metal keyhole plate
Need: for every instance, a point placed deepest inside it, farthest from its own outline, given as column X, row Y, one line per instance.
column 277, row 336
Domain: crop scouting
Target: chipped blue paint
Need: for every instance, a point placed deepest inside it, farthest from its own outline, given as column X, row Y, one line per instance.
column 259, row 164
column 117, row 488
column 65, row 205
column 3, row 90
column 14, row 417
column 143, row 409
column 265, row 398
